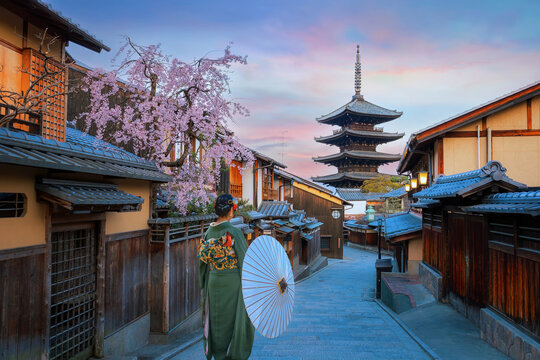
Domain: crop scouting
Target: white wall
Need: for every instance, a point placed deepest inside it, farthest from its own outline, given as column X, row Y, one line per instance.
column 359, row 207
column 247, row 185
column 259, row 186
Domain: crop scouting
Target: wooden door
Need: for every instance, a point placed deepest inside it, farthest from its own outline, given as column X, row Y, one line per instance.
column 73, row 291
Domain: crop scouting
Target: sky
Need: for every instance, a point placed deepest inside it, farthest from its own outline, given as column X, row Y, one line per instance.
column 428, row 59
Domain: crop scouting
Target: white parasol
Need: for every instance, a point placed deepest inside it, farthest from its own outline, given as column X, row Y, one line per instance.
column 268, row 286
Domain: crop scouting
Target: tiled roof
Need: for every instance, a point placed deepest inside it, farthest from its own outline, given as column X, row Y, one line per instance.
column 275, row 209
column 360, row 155
column 80, row 153
column 425, row 203
column 379, row 135
column 267, row 159
column 85, row 195
column 468, row 182
column 352, row 224
column 395, row 193
column 285, row 229
column 399, row 224
column 254, row 215
column 238, row 222
column 357, row 176
column 526, row 202
column 37, row 9
column 359, row 106
column 357, row 195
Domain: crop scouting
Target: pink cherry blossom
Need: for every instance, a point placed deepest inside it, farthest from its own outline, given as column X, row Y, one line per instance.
column 152, row 103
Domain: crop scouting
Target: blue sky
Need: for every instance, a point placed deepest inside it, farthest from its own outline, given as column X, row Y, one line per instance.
column 428, row 59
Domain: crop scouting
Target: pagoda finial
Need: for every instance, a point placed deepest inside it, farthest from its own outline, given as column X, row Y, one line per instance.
column 357, row 73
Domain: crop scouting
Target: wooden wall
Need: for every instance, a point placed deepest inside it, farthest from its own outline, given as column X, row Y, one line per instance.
column 184, row 293
column 127, row 278
column 22, row 305
column 322, row 210
column 432, row 240
column 514, row 269
column 314, row 247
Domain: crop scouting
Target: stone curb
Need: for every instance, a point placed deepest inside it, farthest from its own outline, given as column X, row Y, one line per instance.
column 409, row 332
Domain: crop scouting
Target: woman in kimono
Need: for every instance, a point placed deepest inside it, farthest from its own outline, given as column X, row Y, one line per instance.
column 228, row 332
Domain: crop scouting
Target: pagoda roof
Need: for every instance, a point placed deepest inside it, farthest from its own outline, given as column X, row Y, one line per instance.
column 340, row 177
column 379, row 135
column 360, row 155
column 361, row 108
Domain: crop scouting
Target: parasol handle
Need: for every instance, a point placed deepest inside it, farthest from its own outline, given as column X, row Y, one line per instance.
column 282, row 285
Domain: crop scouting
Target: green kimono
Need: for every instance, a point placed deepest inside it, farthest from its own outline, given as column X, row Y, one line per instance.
column 228, row 332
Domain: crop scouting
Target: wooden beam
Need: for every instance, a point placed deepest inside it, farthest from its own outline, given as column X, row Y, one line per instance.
column 99, row 343
column 494, row 133
column 440, row 156
column 529, row 115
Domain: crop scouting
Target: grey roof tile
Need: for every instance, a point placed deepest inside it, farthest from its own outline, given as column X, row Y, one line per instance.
column 360, row 106
column 526, row 202
column 395, row 193
column 84, row 194
column 464, row 183
column 80, row 153
column 399, row 224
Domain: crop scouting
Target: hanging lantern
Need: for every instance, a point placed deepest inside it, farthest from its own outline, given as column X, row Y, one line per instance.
column 407, row 187
column 422, row 177
column 414, row 183
column 370, row 212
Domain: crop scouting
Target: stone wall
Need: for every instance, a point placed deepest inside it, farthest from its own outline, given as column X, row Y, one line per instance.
column 504, row 336
column 431, row 281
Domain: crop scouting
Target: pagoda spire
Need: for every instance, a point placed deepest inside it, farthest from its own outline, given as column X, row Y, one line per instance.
column 357, row 73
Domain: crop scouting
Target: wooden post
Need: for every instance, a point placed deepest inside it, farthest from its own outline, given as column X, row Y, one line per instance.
column 99, row 345
column 47, row 287
column 166, row 275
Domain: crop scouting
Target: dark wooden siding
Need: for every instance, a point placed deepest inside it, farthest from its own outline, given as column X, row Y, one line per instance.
column 433, row 252
column 456, row 256
column 322, row 210
column 127, row 278
column 22, row 303
column 514, row 269
column 184, row 293
column 314, row 247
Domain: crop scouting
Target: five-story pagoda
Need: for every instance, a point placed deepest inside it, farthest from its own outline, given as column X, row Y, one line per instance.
column 357, row 159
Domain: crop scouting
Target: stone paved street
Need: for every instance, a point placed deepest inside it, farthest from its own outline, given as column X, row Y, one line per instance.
column 335, row 318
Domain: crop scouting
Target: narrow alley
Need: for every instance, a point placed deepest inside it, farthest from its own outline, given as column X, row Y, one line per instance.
column 336, row 318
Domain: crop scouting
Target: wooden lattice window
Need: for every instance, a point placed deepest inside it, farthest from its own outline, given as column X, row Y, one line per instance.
column 51, row 88
column 12, row 205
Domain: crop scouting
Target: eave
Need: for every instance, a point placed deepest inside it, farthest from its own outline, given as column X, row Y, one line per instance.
column 358, row 155
column 378, row 136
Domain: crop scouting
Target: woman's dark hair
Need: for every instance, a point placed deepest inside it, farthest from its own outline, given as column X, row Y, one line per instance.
column 224, row 204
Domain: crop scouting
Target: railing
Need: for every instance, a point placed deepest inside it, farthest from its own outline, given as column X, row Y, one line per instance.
column 236, row 191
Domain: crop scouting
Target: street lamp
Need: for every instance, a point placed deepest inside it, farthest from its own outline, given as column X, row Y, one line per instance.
column 414, row 183
column 370, row 212
column 422, row 177
column 407, row 187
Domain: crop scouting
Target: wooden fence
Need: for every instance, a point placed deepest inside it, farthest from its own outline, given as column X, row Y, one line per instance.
column 434, row 254
column 175, row 293
column 127, row 278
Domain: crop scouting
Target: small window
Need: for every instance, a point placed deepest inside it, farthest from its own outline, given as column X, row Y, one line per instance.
column 12, row 205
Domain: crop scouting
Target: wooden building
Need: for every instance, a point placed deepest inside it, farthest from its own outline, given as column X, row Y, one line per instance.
column 320, row 203
column 481, row 246
column 358, row 138
column 506, row 129
column 74, row 250
column 255, row 184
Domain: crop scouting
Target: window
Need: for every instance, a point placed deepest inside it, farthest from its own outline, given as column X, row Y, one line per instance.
column 12, row 205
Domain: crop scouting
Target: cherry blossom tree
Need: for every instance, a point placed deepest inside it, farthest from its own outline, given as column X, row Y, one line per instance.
column 155, row 105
